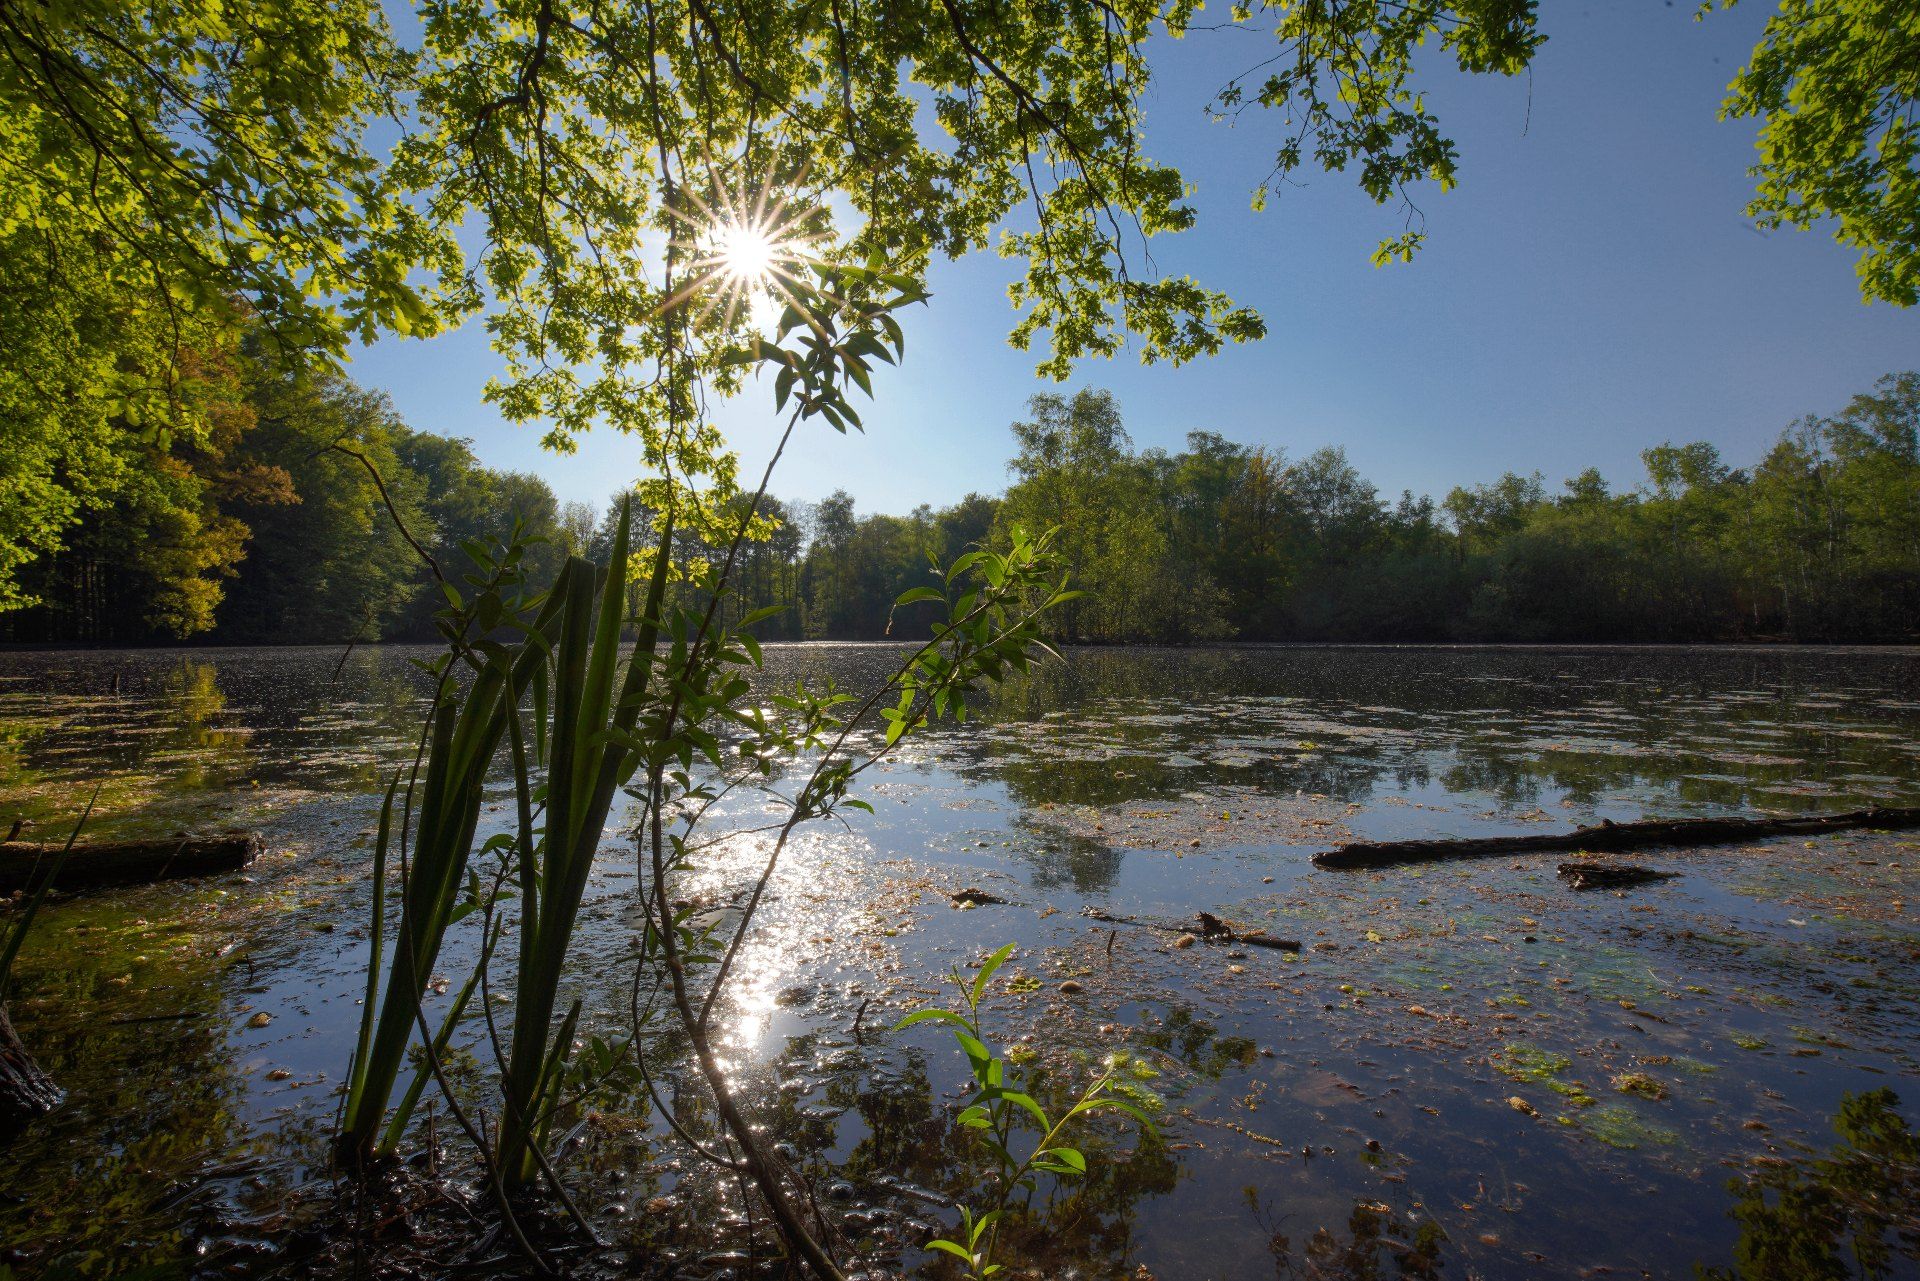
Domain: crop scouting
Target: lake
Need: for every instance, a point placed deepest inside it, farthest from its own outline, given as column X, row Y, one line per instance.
column 1468, row 1070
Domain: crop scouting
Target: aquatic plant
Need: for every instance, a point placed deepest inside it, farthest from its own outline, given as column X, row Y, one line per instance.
column 590, row 751
column 999, row 1109
column 656, row 732
column 439, row 813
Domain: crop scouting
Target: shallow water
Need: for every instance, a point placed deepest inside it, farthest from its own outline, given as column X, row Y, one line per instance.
column 1469, row 1071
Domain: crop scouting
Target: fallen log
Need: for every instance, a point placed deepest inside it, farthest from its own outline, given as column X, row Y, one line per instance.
column 100, row 864
column 1607, row 835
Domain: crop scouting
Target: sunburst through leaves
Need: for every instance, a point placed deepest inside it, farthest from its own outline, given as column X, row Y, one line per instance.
column 746, row 253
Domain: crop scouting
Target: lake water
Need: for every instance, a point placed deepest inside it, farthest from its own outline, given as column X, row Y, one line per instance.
column 1470, row 1070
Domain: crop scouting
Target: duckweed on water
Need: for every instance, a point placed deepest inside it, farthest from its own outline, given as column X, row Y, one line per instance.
column 1620, row 1126
column 1641, row 1084
column 1525, row 1062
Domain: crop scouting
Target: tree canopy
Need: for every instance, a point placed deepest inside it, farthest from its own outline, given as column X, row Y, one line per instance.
column 320, row 171
column 1836, row 85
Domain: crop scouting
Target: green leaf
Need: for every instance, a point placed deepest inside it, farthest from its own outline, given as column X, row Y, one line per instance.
column 976, row 1050
column 987, row 968
column 1068, row 1157
column 1030, row 1104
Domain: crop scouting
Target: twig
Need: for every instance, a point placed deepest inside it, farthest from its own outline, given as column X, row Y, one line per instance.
column 1207, row 926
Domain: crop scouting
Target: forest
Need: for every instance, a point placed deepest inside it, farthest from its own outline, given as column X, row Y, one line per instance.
column 270, row 530
column 596, row 937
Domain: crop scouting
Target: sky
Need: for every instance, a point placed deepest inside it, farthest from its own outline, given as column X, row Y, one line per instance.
column 1590, row 289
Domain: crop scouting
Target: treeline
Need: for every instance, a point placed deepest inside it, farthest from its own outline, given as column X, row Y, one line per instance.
column 267, row 525
column 263, row 524
column 1818, row 541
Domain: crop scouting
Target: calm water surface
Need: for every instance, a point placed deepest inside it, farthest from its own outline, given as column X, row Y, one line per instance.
column 1470, row 1070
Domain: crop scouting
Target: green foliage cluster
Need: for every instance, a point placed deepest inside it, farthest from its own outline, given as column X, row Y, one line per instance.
column 1002, row 1105
column 319, row 172
column 259, row 525
column 1836, row 86
column 1817, row 541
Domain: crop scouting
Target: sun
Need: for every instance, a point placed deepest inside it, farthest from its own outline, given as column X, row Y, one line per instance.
column 746, row 253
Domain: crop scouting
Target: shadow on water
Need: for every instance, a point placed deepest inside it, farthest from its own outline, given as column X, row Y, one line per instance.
column 1852, row 1212
column 1468, row 1071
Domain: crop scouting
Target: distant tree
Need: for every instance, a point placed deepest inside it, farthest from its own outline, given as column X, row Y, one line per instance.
column 1820, row 540
column 574, row 527
column 330, row 565
column 1485, row 514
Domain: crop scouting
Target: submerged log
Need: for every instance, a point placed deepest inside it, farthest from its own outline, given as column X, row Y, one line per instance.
column 105, row 863
column 1641, row 834
column 1611, row 876
column 25, row 1091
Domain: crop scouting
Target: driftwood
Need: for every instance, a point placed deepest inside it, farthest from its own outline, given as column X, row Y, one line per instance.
column 104, row 863
column 1641, row 834
column 1206, row 926
column 1617, row 876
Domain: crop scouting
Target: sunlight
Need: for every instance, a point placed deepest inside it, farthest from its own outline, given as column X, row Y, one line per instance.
column 746, row 253
column 747, row 249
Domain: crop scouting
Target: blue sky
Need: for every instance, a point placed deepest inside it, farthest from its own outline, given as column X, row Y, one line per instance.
column 1591, row 288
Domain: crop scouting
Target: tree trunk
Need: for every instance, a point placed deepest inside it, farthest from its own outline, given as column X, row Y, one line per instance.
column 1642, row 834
column 105, row 863
column 25, row 1091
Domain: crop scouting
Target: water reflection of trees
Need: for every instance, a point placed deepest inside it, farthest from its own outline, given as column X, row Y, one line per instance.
column 1195, row 1044
column 881, row 1125
column 154, row 1096
column 1060, row 859
column 1700, row 730
column 1377, row 1243
column 169, row 734
column 1851, row 1213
